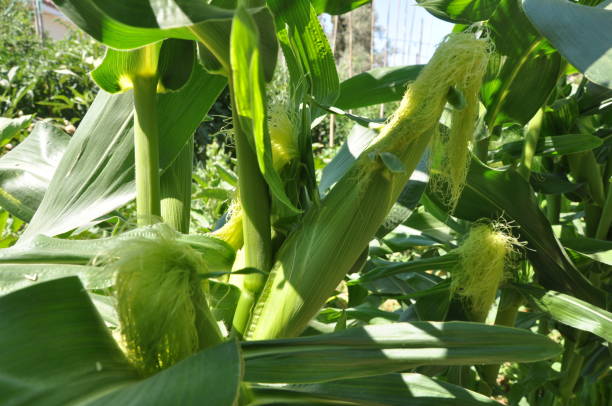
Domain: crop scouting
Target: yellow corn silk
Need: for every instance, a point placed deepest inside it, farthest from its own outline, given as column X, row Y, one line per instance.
column 282, row 137
column 334, row 233
column 450, row 154
column 483, row 257
column 159, row 299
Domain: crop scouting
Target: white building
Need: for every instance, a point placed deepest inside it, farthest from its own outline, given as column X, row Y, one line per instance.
column 54, row 24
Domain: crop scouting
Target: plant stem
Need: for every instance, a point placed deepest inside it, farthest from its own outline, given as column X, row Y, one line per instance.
column 606, row 218
column 530, row 144
column 146, row 149
column 507, row 311
column 255, row 203
column 592, row 216
column 176, row 190
column 572, row 366
column 553, row 208
column 584, row 168
column 481, row 149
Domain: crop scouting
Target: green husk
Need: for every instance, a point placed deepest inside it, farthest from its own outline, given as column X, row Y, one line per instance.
column 483, row 257
column 334, row 233
column 160, row 300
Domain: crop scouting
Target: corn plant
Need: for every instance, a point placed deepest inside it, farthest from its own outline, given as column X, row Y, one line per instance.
column 456, row 254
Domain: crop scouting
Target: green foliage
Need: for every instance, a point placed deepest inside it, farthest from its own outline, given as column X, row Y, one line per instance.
column 46, row 78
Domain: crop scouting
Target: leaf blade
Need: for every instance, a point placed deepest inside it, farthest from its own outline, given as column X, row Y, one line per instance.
column 378, row 349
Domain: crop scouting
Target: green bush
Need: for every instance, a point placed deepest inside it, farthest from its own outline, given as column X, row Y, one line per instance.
column 43, row 77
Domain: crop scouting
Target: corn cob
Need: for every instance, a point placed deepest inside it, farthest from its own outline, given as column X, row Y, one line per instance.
column 332, row 235
column 160, row 300
column 483, row 257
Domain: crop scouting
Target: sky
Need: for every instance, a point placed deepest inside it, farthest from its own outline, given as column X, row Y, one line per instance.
column 404, row 23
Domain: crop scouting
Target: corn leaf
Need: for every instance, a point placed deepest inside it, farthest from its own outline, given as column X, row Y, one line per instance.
column 25, row 172
column 524, row 63
column 129, row 24
column 62, row 353
column 337, row 6
column 60, row 348
column 460, row 11
column 598, row 250
column 115, row 73
column 45, row 258
column 557, row 145
column 223, row 299
column 212, row 375
column 379, row 349
column 249, row 89
column 388, row 390
column 98, row 166
column 380, row 85
column 306, row 49
column 357, row 141
column 491, row 193
column 19, row 276
column 577, row 31
column 431, row 227
column 571, row 311
column 445, row 262
column 9, row 127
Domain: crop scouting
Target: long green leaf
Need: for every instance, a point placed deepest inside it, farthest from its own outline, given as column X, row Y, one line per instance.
column 443, row 262
column 579, row 33
column 106, row 21
column 571, row 311
column 98, row 166
column 249, row 89
column 209, row 377
column 522, row 72
column 378, row 349
column 129, row 24
column 380, row 85
column 460, row 11
column 306, row 49
column 9, row 127
column 116, row 72
column 25, row 172
column 389, row 390
column 19, row 276
column 62, row 353
column 557, row 145
column 60, row 349
column 599, row 250
column 336, row 7
column 45, row 258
